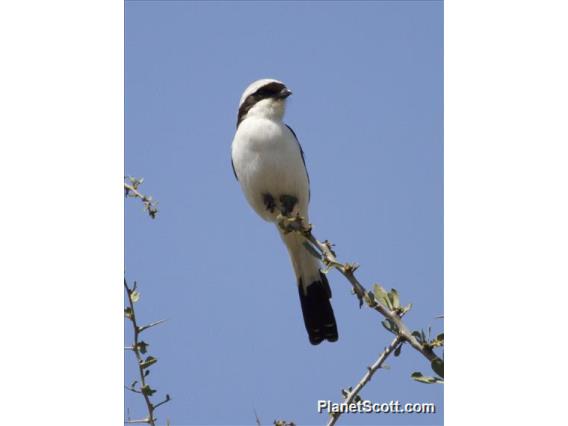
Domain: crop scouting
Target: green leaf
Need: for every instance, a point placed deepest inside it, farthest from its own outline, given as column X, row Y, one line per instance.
column 438, row 341
column 128, row 312
column 135, row 296
column 394, row 298
column 438, row 367
column 390, row 326
column 148, row 362
column 379, row 291
column 382, row 296
column 312, row 250
column 418, row 335
column 142, row 346
column 406, row 308
column 147, row 390
column 419, row 377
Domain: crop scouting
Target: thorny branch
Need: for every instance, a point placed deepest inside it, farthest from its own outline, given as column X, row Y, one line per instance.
column 393, row 316
column 353, row 394
column 131, row 190
column 139, row 347
column 296, row 223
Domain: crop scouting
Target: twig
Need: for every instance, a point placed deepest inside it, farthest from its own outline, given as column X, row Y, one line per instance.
column 329, row 259
column 139, row 347
column 354, row 392
column 351, row 395
column 131, row 190
column 150, row 420
column 393, row 316
column 131, row 389
column 168, row 399
column 152, row 324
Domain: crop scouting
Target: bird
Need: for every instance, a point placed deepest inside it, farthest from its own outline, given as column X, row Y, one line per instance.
column 269, row 164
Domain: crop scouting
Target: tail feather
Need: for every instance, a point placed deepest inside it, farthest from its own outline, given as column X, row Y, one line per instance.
column 318, row 313
column 314, row 291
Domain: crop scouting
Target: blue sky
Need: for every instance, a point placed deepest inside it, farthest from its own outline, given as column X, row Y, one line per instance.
column 367, row 107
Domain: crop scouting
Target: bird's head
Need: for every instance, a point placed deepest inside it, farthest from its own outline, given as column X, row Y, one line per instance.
column 264, row 98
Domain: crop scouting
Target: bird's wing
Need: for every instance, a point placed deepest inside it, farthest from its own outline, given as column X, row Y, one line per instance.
column 303, row 159
column 233, row 166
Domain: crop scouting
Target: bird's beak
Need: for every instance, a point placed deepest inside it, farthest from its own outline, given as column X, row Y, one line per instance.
column 284, row 93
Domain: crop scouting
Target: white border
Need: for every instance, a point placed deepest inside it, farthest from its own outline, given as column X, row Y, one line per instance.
column 61, row 162
column 506, row 211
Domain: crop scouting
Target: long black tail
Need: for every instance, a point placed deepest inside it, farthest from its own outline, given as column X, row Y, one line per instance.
column 318, row 313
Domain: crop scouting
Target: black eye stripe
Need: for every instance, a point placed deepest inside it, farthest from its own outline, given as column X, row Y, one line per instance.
column 267, row 91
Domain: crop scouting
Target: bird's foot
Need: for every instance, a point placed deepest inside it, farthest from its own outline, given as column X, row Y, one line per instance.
column 288, row 202
column 269, row 203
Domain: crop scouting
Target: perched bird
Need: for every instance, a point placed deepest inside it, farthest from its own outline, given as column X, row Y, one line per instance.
column 268, row 162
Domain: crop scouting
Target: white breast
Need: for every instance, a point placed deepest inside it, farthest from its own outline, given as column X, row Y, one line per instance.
column 267, row 160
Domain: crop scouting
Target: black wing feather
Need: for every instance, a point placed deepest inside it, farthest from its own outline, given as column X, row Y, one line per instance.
column 234, row 171
column 303, row 159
